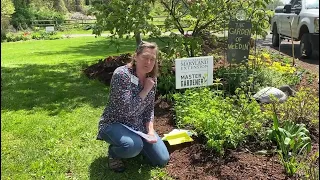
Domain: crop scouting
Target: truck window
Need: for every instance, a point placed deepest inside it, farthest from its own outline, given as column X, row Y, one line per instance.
column 312, row 4
column 297, row 4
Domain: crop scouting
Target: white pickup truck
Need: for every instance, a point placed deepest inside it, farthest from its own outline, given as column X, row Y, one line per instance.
column 304, row 18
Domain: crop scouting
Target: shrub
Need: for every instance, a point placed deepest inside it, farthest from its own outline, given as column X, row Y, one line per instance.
column 23, row 17
column 225, row 122
column 3, row 36
column 166, row 80
column 302, row 108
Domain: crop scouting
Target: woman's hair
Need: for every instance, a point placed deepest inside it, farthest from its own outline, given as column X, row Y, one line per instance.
column 139, row 50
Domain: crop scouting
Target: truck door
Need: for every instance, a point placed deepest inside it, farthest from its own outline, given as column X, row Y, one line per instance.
column 289, row 17
column 295, row 17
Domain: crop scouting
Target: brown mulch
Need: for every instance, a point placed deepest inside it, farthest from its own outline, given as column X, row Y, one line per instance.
column 104, row 68
column 194, row 161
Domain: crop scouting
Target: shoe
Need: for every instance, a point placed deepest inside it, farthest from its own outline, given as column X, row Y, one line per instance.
column 116, row 165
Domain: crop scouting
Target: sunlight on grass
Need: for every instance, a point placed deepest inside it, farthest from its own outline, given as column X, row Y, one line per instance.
column 50, row 112
column 59, row 51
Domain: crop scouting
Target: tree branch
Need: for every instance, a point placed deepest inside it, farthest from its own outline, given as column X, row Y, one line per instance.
column 187, row 49
column 195, row 30
column 211, row 21
column 172, row 13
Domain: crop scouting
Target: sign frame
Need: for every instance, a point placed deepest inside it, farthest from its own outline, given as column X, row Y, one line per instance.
column 194, row 72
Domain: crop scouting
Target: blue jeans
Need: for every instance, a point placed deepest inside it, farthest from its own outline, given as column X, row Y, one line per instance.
column 126, row 144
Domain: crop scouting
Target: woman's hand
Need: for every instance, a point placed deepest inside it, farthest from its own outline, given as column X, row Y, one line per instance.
column 154, row 138
column 148, row 84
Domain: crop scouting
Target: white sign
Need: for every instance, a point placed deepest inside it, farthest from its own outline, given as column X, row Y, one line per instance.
column 194, row 72
column 49, row 28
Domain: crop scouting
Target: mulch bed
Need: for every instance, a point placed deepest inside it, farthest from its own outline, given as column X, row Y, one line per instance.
column 193, row 160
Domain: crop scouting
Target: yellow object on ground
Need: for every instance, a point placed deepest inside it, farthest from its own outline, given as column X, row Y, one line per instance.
column 177, row 137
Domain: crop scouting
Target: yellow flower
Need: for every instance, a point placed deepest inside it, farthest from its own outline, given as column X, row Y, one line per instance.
column 266, row 55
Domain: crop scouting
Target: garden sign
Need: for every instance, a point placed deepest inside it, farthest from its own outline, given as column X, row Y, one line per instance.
column 194, row 72
column 239, row 34
column 49, row 29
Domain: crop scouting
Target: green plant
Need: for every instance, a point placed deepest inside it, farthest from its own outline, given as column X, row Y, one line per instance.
column 311, row 78
column 292, row 140
column 224, row 121
column 136, row 18
column 166, row 79
column 302, row 108
column 24, row 15
column 3, row 36
column 310, row 168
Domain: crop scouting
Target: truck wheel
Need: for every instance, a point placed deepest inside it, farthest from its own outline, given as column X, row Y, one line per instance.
column 305, row 46
column 275, row 37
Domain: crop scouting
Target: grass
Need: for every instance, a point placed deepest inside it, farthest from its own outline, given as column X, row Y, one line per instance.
column 50, row 112
column 75, row 31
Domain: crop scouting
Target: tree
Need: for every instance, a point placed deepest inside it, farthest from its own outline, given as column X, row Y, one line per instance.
column 123, row 17
column 7, row 8
column 78, row 4
column 59, row 6
column 272, row 5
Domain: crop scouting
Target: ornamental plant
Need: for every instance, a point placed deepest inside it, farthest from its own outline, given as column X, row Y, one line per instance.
column 302, row 108
column 293, row 141
column 226, row 122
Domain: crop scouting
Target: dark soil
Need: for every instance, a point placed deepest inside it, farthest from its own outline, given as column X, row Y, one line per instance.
column 193, row 160
column 103, row 70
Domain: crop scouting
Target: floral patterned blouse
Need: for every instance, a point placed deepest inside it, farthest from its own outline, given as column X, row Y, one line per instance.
column 125, row 105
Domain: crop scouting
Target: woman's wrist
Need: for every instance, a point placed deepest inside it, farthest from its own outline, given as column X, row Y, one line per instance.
column 143, row 94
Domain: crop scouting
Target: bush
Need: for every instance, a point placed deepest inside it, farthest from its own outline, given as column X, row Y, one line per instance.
column 3, row 36
column 166, row 80
column 12, row 37
column 225, row 122
column 23, row 17
column 302, row 108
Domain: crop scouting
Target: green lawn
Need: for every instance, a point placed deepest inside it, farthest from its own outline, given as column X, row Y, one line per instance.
column 50, row 111
column 75, row 31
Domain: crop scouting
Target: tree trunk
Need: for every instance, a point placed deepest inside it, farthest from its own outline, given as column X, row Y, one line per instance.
column 78, row 6
column 59, row 5
column 137, row 36
column 67, row 4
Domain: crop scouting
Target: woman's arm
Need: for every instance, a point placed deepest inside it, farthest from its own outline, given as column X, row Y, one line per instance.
column 150, row 129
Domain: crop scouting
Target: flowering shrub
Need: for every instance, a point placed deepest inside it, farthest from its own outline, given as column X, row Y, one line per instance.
column 24, row 36
column 266, row 61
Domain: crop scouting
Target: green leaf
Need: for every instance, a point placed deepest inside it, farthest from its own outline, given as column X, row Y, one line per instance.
column 287, row 141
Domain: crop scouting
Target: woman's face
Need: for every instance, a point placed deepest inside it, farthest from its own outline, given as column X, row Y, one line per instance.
column 146, row 60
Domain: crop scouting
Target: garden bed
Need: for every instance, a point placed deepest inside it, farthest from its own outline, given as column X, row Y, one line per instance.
column 193, row 160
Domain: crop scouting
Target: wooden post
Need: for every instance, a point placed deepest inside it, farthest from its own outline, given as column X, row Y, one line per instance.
column 292, row 44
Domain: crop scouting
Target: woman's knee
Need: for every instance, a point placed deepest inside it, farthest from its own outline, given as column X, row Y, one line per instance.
column 164, row 160
column 132, row 146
